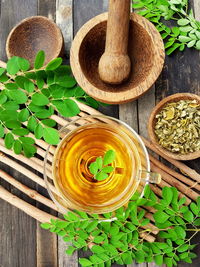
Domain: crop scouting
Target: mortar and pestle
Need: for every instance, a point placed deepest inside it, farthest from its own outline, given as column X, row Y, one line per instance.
column 117, row 56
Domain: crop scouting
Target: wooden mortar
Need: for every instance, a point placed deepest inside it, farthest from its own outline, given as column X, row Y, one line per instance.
column 145, row 50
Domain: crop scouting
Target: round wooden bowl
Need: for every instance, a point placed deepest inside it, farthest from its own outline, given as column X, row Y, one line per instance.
column 33, row 34
column 145, row 50
column 152, row 122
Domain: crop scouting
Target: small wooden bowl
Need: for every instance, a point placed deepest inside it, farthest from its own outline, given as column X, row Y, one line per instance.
column 145, row 50
column 33, row 34
column 152, row 122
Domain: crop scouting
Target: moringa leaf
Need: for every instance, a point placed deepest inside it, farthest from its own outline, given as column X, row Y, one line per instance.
column 109, row 157
column 39, row 60
column 54, row 64
column 51, row 136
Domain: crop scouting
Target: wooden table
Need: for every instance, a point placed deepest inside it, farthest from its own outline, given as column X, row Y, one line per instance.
column 23, row 243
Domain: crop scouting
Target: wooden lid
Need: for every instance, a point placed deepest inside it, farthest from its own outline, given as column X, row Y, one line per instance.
column 146, row 51
column 152, row 122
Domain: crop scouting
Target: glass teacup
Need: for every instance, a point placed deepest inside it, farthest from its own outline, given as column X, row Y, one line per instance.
column 69, row 181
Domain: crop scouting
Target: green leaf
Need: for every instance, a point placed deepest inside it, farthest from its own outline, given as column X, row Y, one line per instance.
column 167, row 194
column 127, row 258
column 160, row 216
column 23, row 115
column 38, row 131
column 183, row 22
column 184, row 39
column 12, row 65
column 186, row 29
column 194, row 208
column 172, row 49
column 20, row 81
column 92, row 226
column 23, row 64
column 97, row 249
column 43, row 114
column 197, row 222
column 180, row 231
column 85, row 262
column 188, row 216
column 29, row 86
column 18, row 96
column 54, row 64
column 109, row 157
column 158, row 259
column 198, row 45
column 168, row 261
column 70, row 251
column 98, row 239
column 39, row 99
column 9, row 140
column 12, row 124
column 182, row 201
column 101, row 176
column 20, row 131
column 99, row 162
column 11, row 86
column 32, row 123
column 29, row 150
column 93, row 168
column 67, row 108
column 183, row 248
column 46, row 226
column 51, row 136
column 17, row 147
column 108, row 169
column 10, row 105
column 3, row 99
column 1, row 131
column 49, row 122
column 39, row 60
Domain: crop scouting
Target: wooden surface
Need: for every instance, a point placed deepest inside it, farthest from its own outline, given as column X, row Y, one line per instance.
column 23, row 243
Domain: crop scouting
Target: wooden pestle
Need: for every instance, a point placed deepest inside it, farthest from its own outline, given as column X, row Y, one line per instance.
column 115, row 64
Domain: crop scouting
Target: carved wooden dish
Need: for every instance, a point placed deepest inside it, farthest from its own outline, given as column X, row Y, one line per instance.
column 152, row 121
column 34, row 34
column 145, row 50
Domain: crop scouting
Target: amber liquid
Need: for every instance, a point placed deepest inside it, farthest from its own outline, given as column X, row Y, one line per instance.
column 73, row 179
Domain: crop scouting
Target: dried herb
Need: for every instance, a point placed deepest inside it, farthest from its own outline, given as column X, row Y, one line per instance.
column 28, row 99
column 120, row 240
column 178, row 126
column 186, row 33
column 100, row 167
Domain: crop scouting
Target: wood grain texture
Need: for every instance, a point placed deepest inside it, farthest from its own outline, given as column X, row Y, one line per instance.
column 18, row 230
column 64, row 9
column 46, row 241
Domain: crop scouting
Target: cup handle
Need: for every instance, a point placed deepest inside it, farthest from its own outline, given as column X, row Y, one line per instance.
column 151, row 177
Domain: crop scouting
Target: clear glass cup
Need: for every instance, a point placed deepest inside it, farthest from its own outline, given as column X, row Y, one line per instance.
column 66, row 167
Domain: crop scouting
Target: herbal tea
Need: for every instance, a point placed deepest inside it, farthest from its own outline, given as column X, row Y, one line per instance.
column 78, row 150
